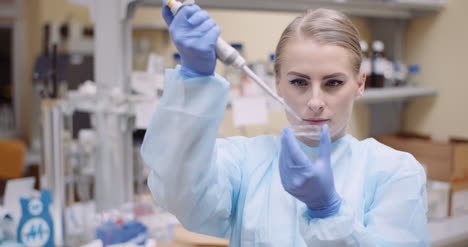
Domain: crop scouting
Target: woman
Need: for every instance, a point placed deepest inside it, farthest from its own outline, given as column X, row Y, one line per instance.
column 264, row 191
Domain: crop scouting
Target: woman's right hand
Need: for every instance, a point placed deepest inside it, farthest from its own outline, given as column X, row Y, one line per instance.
column 194, row 34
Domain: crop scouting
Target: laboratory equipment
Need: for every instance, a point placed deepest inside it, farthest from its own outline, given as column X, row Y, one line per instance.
column 7, row 121
column 366, row 66
column 377, row 78
column 53, row 160
column 7, row 229
column 413, row 75
column 234, row 76
column 175, row 59
column 307, row 131
column 119, row 232
column 231, row 57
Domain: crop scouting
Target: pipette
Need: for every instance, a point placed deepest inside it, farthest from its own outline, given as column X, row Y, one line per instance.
column 230, row 57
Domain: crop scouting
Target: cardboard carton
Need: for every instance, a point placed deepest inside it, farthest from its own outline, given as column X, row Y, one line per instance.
column 12, row 154
column 443, row 161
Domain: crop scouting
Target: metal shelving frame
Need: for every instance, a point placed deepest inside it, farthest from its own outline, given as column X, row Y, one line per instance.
column 366, row 8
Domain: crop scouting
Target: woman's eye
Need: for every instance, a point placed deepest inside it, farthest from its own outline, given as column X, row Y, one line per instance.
column 298, row 82
column 334, row 83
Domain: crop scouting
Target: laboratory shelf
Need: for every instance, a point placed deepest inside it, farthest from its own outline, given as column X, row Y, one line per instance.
column 8, row 10
column 401, row 9
column 452, row 231
column 381, row 95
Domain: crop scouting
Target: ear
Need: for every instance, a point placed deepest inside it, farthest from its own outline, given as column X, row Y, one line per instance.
column 361, row 81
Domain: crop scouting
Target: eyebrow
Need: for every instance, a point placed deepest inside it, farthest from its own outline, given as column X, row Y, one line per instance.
column 337, row 74
column 334, row 75
column 299, row 74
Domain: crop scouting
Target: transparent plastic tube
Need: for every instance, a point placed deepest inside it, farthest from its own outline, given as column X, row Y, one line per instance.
column 269, row 91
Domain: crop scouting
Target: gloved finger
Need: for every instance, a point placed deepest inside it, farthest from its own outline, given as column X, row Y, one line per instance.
column 184, row 14
column 166, row 13
column 325, row 144
column 188, row 10
column 213, row 34
column 198, row 17
column 206, row 26
column 291, row 147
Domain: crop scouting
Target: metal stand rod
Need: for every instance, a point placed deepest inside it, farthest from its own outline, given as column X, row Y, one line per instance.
column 53, row 159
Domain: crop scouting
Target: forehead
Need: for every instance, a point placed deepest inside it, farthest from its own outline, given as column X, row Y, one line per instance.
column 309, row 56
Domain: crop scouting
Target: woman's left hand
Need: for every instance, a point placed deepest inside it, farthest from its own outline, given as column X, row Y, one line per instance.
column 310, row 182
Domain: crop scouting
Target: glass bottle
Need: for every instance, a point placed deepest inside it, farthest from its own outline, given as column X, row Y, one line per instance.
column 366, row 66
column 377, row 78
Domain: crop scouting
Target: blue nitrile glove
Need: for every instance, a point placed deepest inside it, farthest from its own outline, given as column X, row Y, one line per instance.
column 310, row 182
column 194, row 34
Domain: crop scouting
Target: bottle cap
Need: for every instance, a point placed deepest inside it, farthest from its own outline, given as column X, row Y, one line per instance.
column 272, row 56
column 176, row 56
column 414, row 68
column 378, row 46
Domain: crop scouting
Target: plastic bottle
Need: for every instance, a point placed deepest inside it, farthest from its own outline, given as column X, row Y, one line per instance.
column 400, row 73
column 175, row 59
column 377, row 78
column 366, row 65
column 413, row 75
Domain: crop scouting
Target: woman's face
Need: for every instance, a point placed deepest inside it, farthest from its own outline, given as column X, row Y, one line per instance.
column 318, row 82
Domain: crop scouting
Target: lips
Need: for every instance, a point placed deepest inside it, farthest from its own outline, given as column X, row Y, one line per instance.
column 318, row 121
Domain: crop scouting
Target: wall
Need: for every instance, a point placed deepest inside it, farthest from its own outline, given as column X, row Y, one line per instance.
column 439, row 45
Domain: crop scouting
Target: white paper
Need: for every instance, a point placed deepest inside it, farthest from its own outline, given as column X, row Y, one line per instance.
column 249, row 111
column 144, row 112
column 14, row 190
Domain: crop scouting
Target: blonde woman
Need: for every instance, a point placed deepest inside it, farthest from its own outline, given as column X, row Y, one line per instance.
column 265, row 191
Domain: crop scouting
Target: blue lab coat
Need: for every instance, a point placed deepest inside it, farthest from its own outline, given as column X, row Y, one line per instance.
column 231, row 187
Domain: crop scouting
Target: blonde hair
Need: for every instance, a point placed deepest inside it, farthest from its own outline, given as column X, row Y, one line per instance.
column 325, row 26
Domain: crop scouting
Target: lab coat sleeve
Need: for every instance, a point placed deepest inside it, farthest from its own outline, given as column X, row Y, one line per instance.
column 189, row 177
column 396, row 217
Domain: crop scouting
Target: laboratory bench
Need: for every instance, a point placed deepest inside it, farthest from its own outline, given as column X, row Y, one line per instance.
column 449, row 232
column 184, row 238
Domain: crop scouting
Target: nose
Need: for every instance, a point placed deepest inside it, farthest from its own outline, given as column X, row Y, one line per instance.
column 316, row 103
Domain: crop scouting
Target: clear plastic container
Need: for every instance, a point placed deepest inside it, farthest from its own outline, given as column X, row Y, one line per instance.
column 413, row 75
column 311, row 132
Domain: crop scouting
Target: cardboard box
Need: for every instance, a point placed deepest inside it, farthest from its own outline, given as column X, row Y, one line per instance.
column 12, row 154
column 443, row 161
